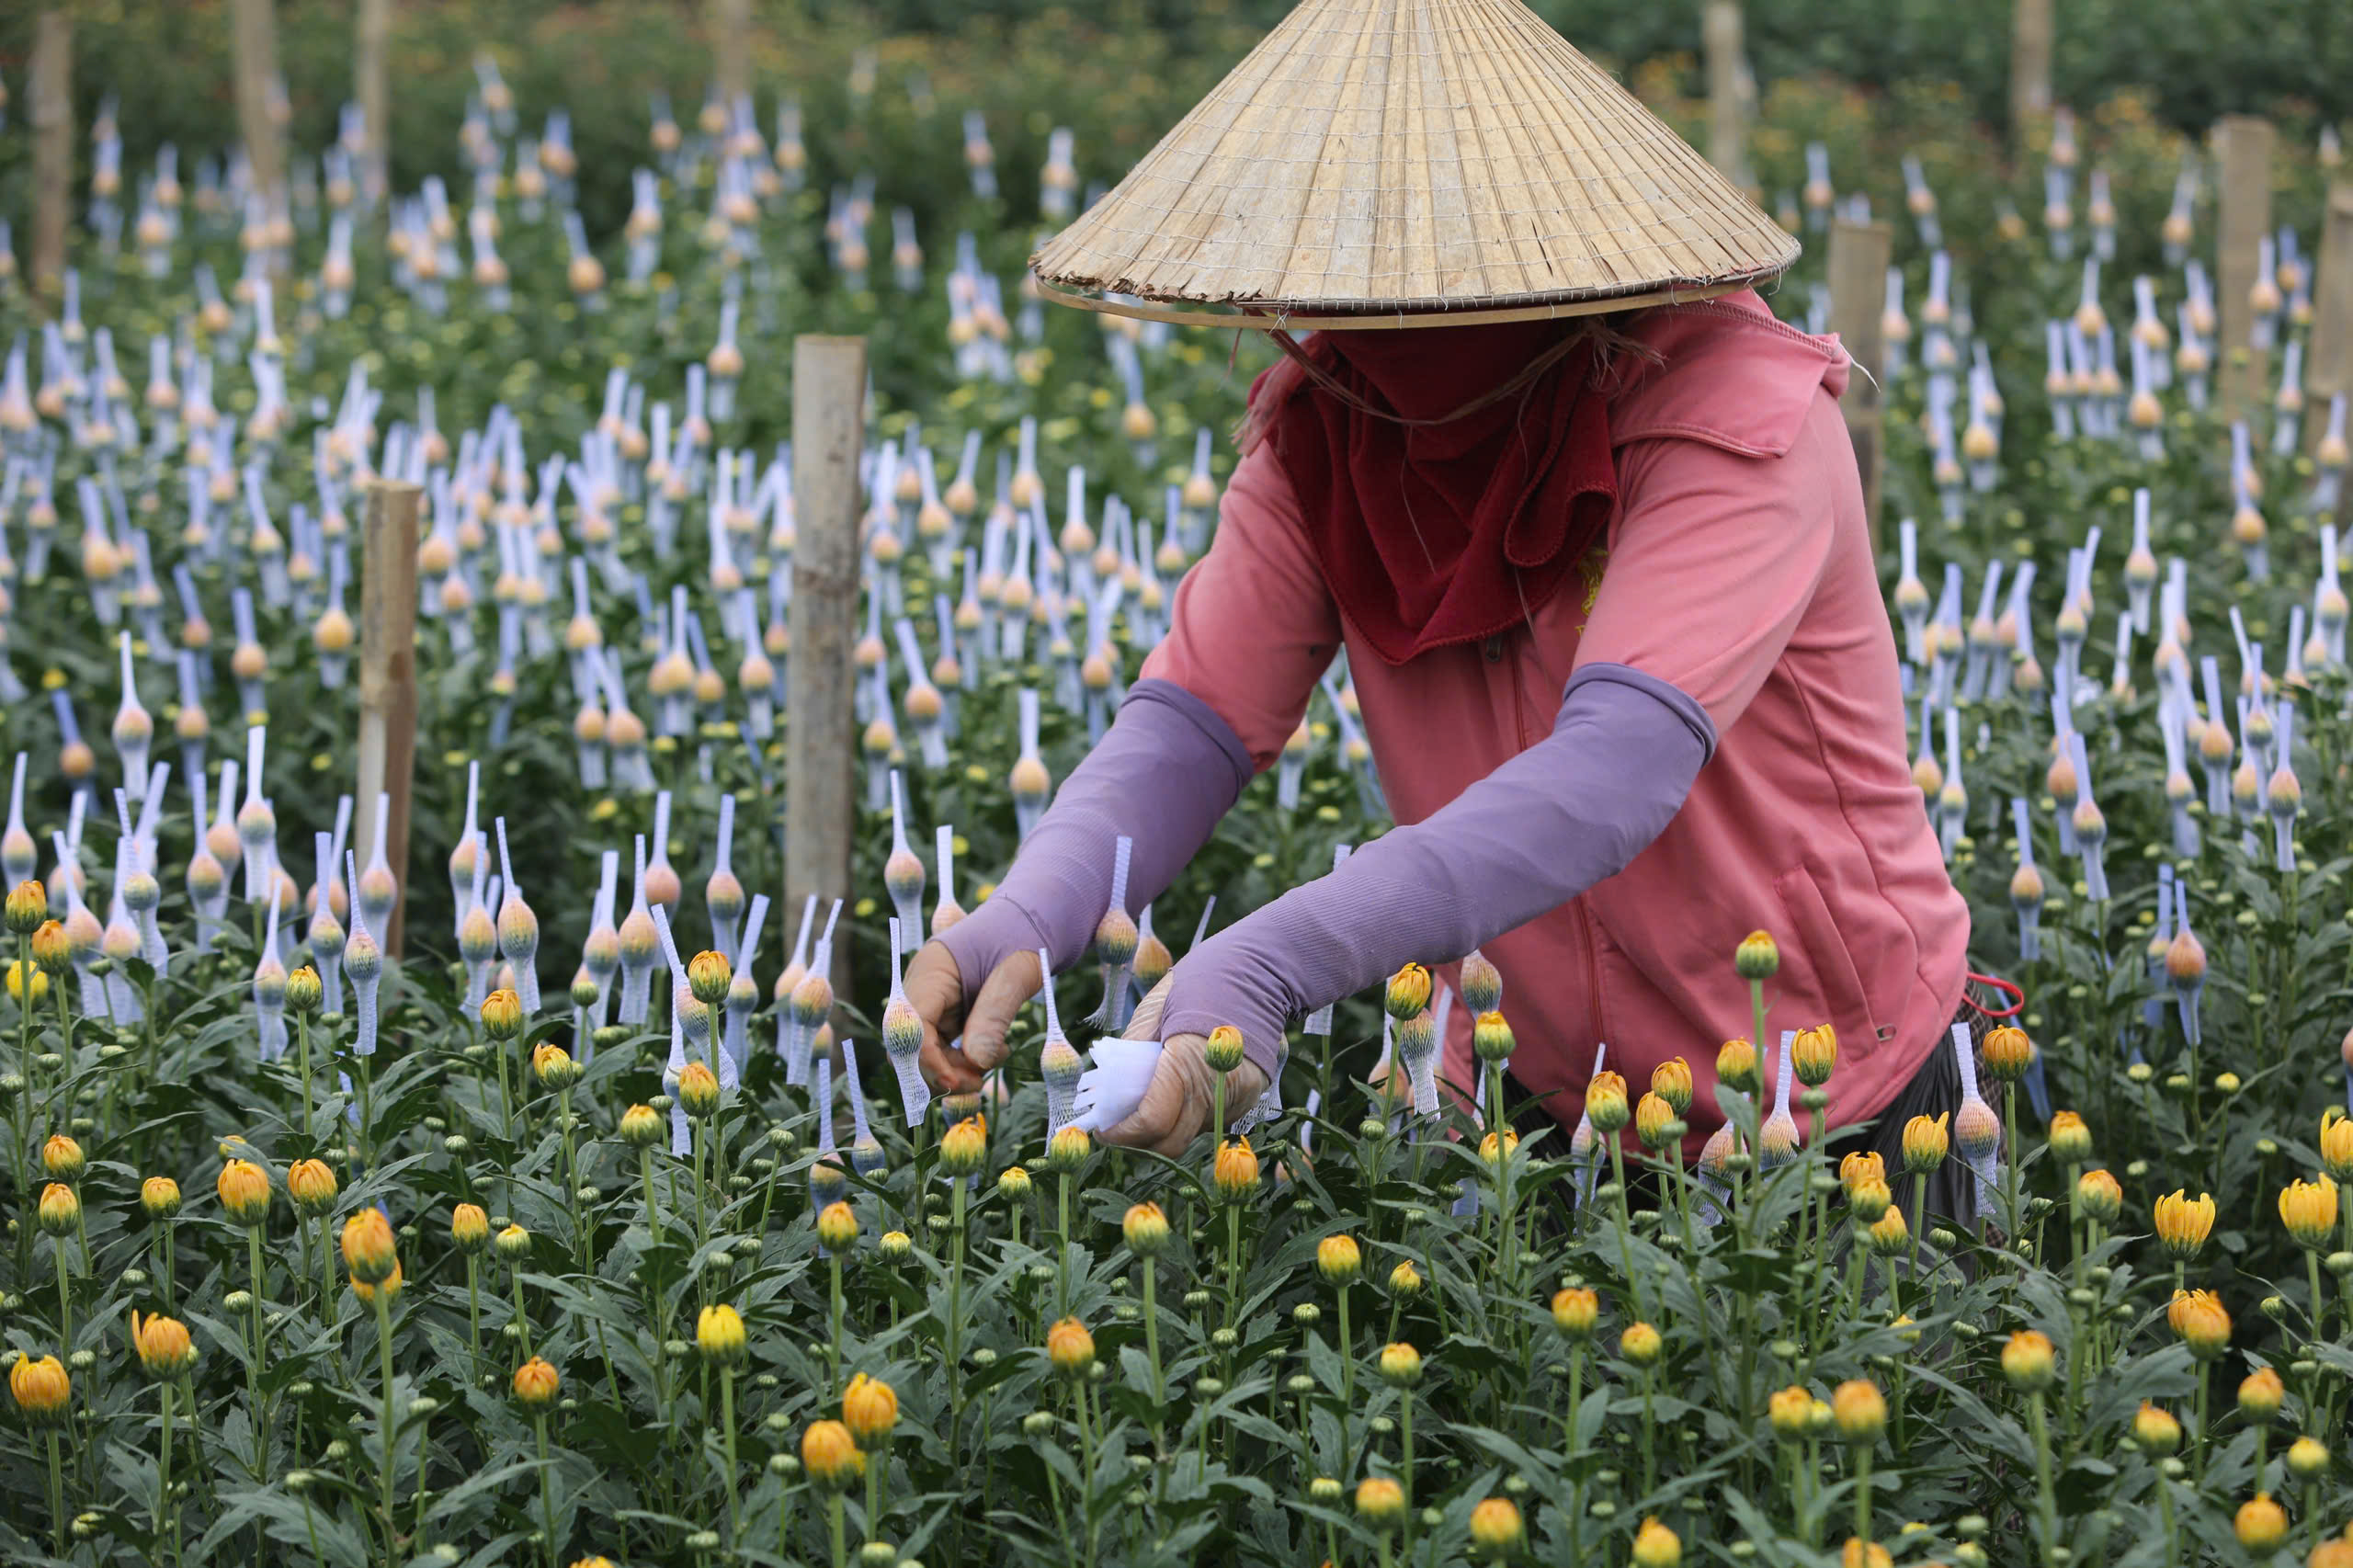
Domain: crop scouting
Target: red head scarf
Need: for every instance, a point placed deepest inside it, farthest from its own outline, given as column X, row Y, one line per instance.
column 1442, row 512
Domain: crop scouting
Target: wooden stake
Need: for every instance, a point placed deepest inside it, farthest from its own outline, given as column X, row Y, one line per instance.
column 731, row 43
column 387, row 679
column 52, row 118
column 1859, row 255
column 1720, row 31
column 2244, row 371
column 2329, row 359
column 822, row 738
column 373, row 87
column 257, row 39
column 2032, row 28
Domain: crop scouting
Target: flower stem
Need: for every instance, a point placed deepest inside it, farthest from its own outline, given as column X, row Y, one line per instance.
column 727, row 1435
column 260, row 1418
column 388, row 1422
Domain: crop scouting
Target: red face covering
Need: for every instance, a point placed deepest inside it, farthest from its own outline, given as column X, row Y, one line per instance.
column 1433, row 534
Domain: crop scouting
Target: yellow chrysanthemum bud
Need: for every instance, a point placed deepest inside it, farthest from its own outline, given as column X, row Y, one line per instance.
column 39, row 1386
column 1070, row 1348
column 536, row 1383
column 1408, row 992
column 1671, row 1081
column 2071, row 1139
column 837, row 1228
column 159, row 1197
column 830, row 1455
column 502, row 1014
column 1640, row 1344
column 1813, row 1056
column 1605, row 1102
column 1338, row 1259
column 1655, row 1546
column 1236, row 1170
column 1757, row 957
column 1926, row 1140
column 2198, row 1318
column 368, row 1247
column 1496, row 1531
column 2309, row 1210
column 2156, row 1431
column 718, row 1335
column 1145, row 1229
column 2183, row 1222
column 1575, row 1309
column 163, row 1347
column 243, row 1188
column 1859, row 1409
column 2026, row 1360
column 2099, row 1198
column 870, row 1410
column 1401, row 1366
column 1381, row 1503
column 469, row 1228
column 312, row 1184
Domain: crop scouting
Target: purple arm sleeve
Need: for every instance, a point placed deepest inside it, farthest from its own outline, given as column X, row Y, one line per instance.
column 1162, row 776
column 1561, row 816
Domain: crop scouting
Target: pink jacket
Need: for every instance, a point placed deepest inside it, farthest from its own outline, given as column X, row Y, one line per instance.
column 1739, row 569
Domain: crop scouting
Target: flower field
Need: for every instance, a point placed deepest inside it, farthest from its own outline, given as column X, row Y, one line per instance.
column 594, row 1226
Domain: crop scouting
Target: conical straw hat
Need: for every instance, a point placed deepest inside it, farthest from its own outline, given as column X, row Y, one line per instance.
column 1397, row 158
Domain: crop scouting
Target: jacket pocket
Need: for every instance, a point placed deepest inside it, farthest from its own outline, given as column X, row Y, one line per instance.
column 1826, row 955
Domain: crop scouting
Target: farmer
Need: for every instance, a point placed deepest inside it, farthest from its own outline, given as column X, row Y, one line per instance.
column 1600, row 569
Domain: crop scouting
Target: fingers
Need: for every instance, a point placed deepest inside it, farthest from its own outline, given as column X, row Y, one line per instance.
column 1008, row 987
column 947, row 1072
column 935, row 990
column 1167, row 1117
column 1146, row 1024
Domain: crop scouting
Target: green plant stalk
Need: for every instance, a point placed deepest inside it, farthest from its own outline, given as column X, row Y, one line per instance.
column 834, row 1338
column 546, row 1488
column 2047, row 1499
column 302, row 1060
column 1863, row 1495
column 1062, row 1247
column 580, row 1236
column 876, row 1463
column 727, row 1437
column 473, row 1312
column 833, row 1521
column 261, row 1426
column 423, row 1451
column 65, row 1296
column 1152, row 1351
column 1623, row 1223
column 1919, row 1219
column 653, row 1205
column 523, row 1318
column 387, row 1419
column 1405, row 1460
column 956, row 1294
column 2013, row 1148
column 1650, row 1431
column 2320, row 1302
column 163, row 1511
column 1347, row 1360
column 2201, row 1401
column 56, row 1494
column 1233, row 1260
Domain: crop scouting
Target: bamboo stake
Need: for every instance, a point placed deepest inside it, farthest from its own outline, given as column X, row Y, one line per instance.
column 821, row 757
column 388, row 677
column 373, row 88
column 2032, row 28
column 731, row 42
column 256, row 40
column 2329, row 359
column 52, row 116
column 1721, row 35
column 2244, row 371
column 1859, row 254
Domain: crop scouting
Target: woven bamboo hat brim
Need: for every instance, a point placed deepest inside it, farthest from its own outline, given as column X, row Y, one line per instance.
column 1389, row 162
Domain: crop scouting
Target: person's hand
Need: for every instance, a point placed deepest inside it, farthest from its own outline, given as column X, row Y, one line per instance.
column 936, row 988
column 1181, row 1097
